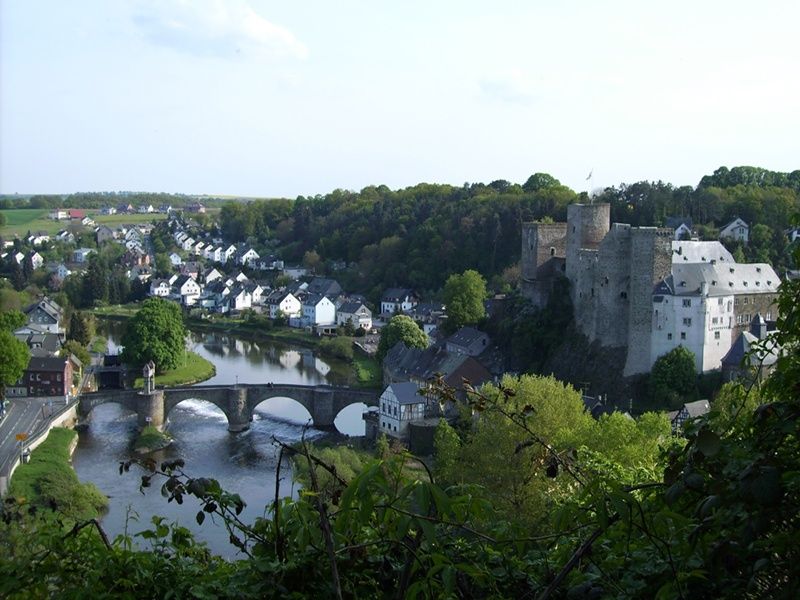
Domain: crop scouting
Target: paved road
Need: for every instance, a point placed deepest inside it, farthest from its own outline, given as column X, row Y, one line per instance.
column 22, row 416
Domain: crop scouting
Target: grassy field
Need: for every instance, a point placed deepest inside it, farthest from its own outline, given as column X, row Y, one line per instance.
column 21, row 220
column 195, row 368
column 368, row 370
column 48, row 480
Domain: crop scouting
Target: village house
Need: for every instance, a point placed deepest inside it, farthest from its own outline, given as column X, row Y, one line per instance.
column 65, row 236
column 160, row 288
column 281, row 302
column 753, row 353
column 467, row 341
column 59, row 214
column 356, row 313
column 736, row 230
column 103, row 234
column 37, row 260
column 295, row 272
column 187, row 289
column 398, row 300
column 246, row 256
column 38, row 238
column 76, row 214
column 175, row 259
column 318, row 310
column 682, row 226
column 81, row 255
column 400, row 404
column 108, row 210
column 88, row 222
column 324, row 286
column 44, row 376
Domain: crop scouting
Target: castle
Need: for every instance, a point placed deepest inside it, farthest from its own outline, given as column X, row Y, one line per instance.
column 617, row 275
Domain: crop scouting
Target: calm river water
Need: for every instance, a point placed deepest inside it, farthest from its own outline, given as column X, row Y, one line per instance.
column 243, row 463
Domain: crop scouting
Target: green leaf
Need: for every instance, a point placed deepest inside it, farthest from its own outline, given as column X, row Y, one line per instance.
column 708, row 442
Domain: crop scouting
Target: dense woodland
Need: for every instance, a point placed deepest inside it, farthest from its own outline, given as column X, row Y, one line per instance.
column 420, row 235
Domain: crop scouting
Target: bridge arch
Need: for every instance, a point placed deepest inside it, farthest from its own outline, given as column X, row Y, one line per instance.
column 349, row 421
column 284, row 408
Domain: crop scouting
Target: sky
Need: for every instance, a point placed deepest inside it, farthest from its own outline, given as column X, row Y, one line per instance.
column 260, row 98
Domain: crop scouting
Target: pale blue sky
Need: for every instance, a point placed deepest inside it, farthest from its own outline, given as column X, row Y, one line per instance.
column 262, row 98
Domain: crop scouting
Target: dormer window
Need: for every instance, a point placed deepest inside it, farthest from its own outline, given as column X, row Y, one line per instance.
column 744, row 283
column 758, row 269
column 731, row 269
column 713, row 282
column 683, row 284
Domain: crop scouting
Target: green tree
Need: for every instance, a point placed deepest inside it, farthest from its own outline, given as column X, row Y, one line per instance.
column 401, row 328
column 464, row 296
column 156, row 332
column 540, row 181
column 11, row 320
column 81, row 327
column 447, row 446
column 78, row 350
column 673, row 379
column 14, row 357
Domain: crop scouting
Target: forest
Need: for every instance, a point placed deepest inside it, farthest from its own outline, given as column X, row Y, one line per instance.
column 416, row 237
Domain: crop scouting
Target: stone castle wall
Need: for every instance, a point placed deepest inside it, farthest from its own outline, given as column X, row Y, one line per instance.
column 651, row 261
column 611, row 269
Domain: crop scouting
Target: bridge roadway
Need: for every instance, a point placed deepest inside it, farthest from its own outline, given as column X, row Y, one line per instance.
column 323, row 402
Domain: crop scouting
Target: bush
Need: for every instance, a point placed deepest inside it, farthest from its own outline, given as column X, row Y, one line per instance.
column 338, row 347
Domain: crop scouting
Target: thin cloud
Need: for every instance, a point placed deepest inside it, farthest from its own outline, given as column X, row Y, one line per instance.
column 514, row 86
column 215, row 28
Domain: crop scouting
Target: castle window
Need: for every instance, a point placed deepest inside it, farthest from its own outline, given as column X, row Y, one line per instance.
column 716, row 335
column 683, row 335
column 573, row 229
column 552, row 251
column 747, row 300
column 758, row 269
column 606, row 280
column 623, row 295
column 669, row 336
column 687, row 302
column 719, row 301
column 687, row 321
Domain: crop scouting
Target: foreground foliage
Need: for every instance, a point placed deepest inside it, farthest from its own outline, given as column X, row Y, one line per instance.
column 592, row 512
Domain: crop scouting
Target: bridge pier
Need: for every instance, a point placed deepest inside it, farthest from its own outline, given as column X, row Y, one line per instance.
column 150, row 409
column 239, row 417
column 323, row 414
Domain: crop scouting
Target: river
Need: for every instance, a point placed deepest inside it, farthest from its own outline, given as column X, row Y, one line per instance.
column 244, row 463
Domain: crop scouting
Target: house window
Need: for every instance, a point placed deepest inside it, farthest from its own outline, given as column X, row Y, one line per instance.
column 683, row 335
column 719, row 301
column 687, row 321
column 687, row 302
column 746, row 300
column 669, row 336
column 716, row 335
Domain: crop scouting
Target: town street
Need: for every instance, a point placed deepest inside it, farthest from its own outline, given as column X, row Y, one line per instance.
column 22, row 415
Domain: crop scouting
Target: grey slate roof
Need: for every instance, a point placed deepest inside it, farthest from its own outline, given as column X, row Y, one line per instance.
column 406, row 393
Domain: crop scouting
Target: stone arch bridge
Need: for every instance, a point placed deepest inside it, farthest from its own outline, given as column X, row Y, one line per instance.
column 323, row 402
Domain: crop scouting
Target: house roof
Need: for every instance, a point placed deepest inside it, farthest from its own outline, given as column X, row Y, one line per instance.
column 675, row 222
column 465, row 337
column 323, row 285
column 684, row 251
column 736, row 221
column 181, row 280
column 47, row 305
column 745, row 348
column 697, row 408
column 351, row 307
column 47, row 363
column 396, row 294
column 719, row 279
column 406, row 392
column 425, row 364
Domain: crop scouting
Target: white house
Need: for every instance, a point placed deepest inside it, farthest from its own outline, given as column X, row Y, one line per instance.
column 229, row 253
column 318, row 310
column 160, row 287
column 37, row 239
column 736, row 230
column 355, row 312
column 211, row 274
column 694, row 307
column 175, row 259
column 88, row 222
column 59, row 214
column 62, row 271
column 81, row 255
column 247, row 257
column 399, row 405
column 108, row 210
column 283, row 302
column 188, row 289
column 398, row 300
column 197, row 249
column 187, row 244
column 146, row 209
column 37, row 260
column 65, row 236
column 239, row 298
column 793, row 234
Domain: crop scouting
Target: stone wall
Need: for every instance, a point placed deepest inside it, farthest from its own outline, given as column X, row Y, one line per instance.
column 544, row 247
column 651, row 261
column 765, row 304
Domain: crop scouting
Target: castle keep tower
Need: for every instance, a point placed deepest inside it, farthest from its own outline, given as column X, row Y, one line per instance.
column 543, row 254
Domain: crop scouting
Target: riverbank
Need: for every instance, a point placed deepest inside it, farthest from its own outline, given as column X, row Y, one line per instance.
column 48, row 480
column 193, row 369
column 366, row 370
